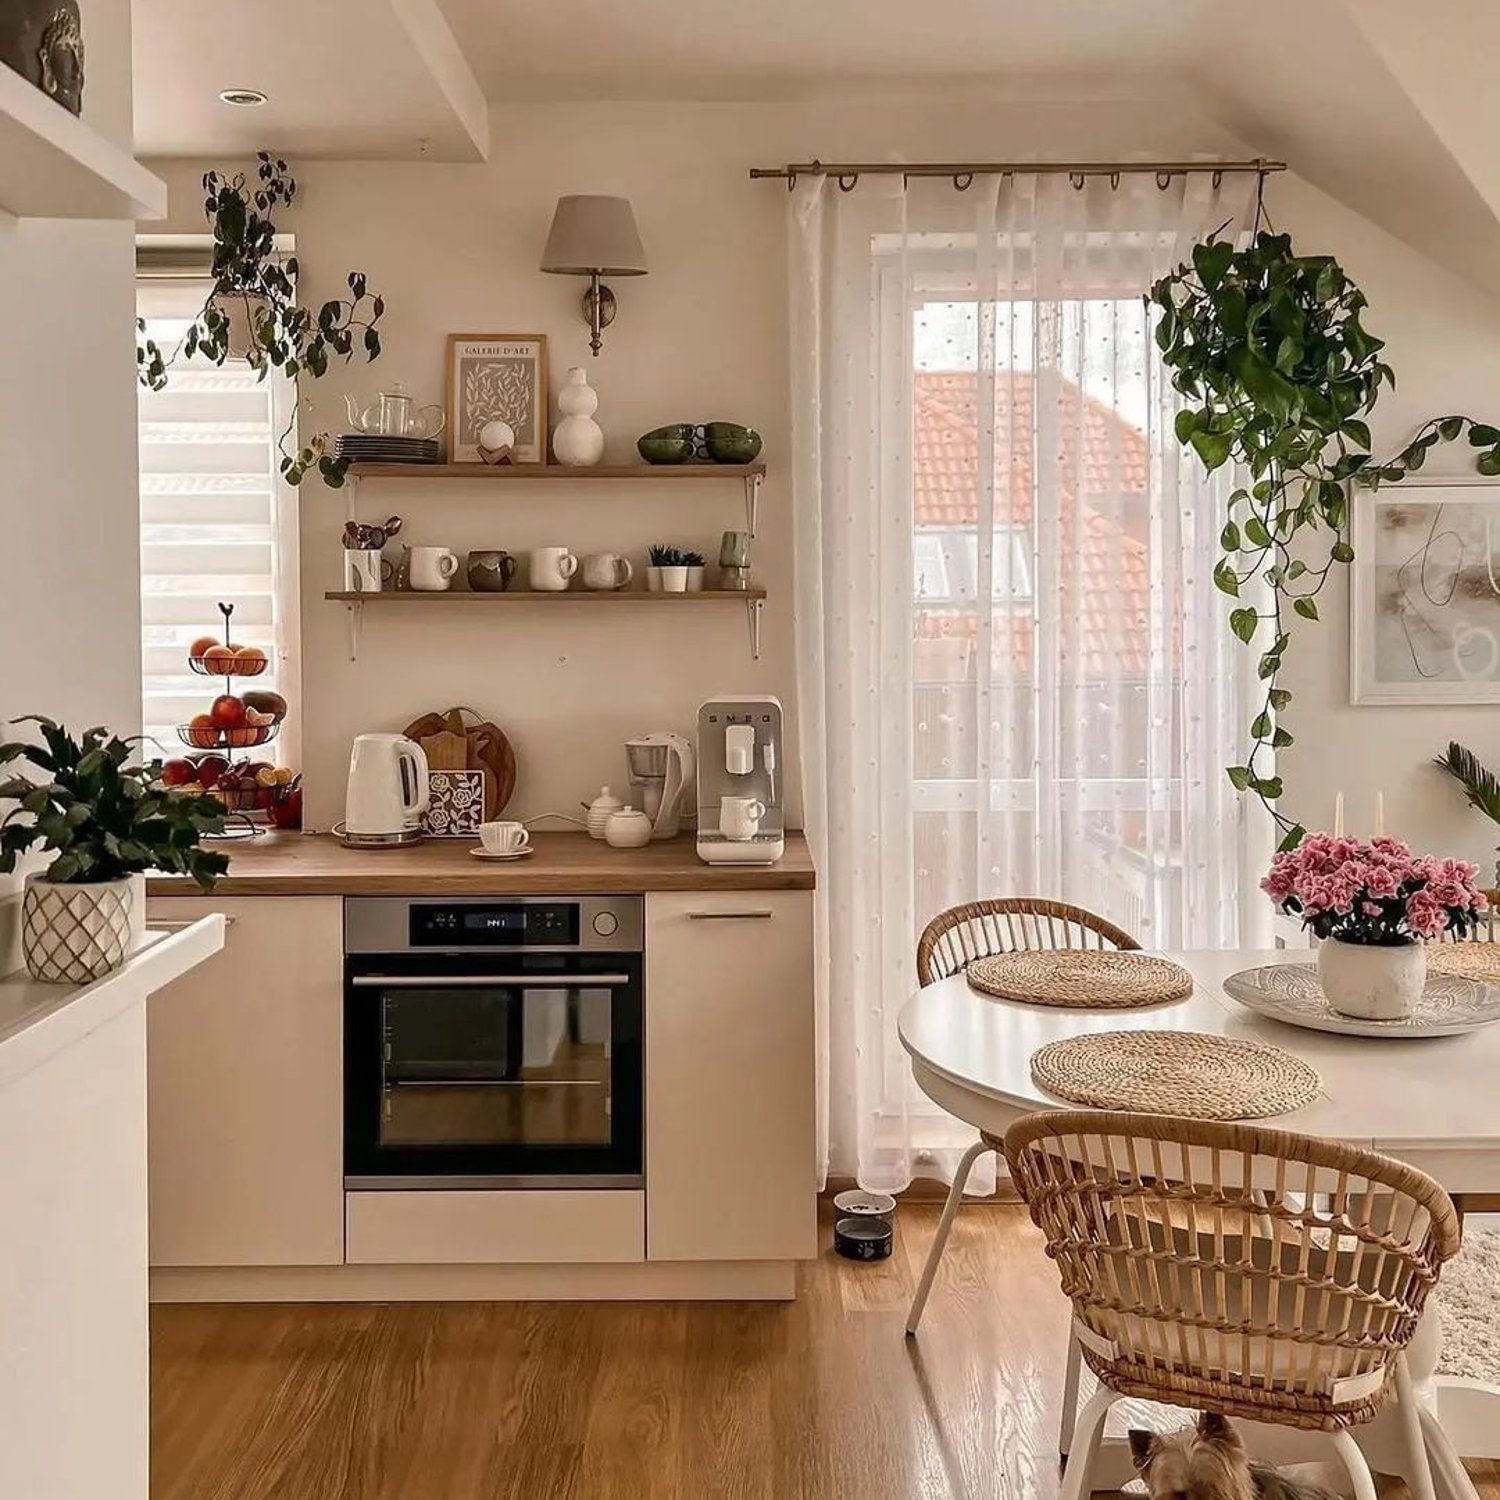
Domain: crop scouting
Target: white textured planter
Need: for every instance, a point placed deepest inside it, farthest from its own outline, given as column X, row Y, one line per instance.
column 71, row 934
column 1372, row 982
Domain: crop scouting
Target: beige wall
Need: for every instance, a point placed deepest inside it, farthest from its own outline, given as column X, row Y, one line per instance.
column 69, row 551
column 455, row 248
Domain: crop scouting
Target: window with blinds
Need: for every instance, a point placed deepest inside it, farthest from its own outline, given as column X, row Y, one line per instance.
column 217, row 523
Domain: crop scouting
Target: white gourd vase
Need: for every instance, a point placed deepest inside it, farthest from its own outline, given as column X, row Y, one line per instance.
column 578, row 440
column 1372, row 981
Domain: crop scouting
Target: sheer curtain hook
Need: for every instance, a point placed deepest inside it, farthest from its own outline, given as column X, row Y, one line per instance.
column 1077, row 179
column 847, row 181
column 1163, row 181
column 963, row 181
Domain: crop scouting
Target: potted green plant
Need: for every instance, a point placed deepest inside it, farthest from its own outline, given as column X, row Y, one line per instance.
column 105, row 822
column 1481, row 788
column 251, row 311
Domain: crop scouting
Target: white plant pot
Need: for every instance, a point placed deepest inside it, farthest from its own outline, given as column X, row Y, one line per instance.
column 695, row 580
column 1372, row 982
column 674, row 580
column 653, row 580
column 71, row 934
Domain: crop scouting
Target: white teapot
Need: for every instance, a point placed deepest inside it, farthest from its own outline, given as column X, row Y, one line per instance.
column 391, row 415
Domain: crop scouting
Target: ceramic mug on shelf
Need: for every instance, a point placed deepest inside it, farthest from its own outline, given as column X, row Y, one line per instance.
column 432, row 568
column 551, row 568
column 603, row 571
column 504, row 838
column 490, row 571
column 739, row 817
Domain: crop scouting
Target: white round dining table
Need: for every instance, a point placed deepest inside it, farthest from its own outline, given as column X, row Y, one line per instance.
column 1432, row 1102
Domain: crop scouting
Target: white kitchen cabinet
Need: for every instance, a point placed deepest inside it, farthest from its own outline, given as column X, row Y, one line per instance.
column 245, row 1070
column 730, row 1138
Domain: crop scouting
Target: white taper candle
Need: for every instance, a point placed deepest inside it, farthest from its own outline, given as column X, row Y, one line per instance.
column 1338, row 814
column 1379, row 813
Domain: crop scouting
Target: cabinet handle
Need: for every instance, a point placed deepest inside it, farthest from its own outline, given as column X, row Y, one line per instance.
column 154, row 926
column 759, row 915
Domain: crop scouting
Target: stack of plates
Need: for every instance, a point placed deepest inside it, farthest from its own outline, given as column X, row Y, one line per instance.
column 370, row 448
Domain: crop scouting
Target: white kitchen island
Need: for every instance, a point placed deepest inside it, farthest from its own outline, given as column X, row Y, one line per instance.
column 74, row 1342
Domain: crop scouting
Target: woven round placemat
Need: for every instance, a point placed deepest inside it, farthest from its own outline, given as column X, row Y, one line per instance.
column 1175, row 1073
column 1469, row 960
column 1084, row 980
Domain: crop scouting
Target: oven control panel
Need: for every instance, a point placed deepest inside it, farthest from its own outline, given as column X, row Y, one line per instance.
column 547, row 924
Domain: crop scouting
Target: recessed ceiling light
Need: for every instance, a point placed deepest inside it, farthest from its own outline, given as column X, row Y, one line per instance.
column 245, row 98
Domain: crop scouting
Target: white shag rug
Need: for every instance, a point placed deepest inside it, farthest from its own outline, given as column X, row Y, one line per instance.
column 1467, row 1298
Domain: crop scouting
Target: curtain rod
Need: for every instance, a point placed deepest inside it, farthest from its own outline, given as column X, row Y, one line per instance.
column 848, row 173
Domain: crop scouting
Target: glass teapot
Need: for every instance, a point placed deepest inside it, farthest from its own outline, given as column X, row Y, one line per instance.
column 392, row 415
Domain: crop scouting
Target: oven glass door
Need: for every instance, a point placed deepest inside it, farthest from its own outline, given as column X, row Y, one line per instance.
column 493, row 1068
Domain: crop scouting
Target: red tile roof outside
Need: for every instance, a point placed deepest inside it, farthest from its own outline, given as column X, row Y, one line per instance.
column 1110, row 572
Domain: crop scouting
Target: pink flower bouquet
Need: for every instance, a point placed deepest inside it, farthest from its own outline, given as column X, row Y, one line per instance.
column 1374, row 893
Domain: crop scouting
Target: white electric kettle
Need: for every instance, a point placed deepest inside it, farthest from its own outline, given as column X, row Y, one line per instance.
column 387, row 791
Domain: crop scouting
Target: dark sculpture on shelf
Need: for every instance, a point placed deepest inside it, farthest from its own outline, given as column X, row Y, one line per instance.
column 43, row 41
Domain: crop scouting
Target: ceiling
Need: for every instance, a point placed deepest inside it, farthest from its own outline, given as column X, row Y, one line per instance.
column 1376, row 105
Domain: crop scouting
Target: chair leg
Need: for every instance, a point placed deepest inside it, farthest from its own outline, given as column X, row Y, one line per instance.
column 1354, row 1462
column 1418, row 1469
column 1087, row 1437
column 940, row 1240
column 1071, row 1373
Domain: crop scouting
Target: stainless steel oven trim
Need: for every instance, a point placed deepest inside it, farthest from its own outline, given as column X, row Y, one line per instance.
column 380, row 924
column 471, row 1184
column 577, row 981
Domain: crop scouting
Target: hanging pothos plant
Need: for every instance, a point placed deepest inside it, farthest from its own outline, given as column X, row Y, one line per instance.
column 1270, row 348
column 252, row 313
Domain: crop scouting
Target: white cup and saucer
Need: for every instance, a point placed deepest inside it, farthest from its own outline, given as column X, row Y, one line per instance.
column 502, row 841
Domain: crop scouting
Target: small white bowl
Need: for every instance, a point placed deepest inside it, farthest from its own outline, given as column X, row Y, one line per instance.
column 858, row 1204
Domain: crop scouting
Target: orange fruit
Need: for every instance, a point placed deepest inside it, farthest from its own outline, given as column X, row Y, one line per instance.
column 200, row 647
column 219, row 658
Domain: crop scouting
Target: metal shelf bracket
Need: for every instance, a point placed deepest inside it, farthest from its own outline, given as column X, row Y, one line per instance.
column 754, row 607
column 752, row 501
column 354, row 621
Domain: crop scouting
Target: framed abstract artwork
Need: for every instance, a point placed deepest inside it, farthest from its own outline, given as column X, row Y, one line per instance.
column 1424, row 594
column 497, row 375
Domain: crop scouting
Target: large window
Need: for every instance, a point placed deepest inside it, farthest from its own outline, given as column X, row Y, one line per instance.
column 217, row 523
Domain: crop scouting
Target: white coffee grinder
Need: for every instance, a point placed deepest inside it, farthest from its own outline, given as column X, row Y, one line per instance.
column 740, row 781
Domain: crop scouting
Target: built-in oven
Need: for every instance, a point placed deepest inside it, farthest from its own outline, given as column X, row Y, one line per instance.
column 493, row 1043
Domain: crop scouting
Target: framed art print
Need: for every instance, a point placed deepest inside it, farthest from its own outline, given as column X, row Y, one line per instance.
column 1424, row 593
column 500, row 375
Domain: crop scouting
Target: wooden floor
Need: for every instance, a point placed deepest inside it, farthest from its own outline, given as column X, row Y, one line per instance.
column 821, row 1399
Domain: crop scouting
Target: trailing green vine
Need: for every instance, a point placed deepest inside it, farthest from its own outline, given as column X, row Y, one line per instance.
column 1271, row 349
column 252, row 311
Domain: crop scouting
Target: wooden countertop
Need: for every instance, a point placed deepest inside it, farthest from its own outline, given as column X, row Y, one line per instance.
column 295, row 864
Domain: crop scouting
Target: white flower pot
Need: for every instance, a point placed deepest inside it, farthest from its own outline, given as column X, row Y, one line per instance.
column 71, row 934
column 695, row 580
column 653, row 580
column 674, row 580
column 1372, row 982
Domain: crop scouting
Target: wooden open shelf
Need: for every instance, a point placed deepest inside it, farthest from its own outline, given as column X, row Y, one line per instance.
column 53, row 166
column 500, row 473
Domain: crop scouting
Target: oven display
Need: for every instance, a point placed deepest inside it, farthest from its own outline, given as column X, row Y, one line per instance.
column 495, row 924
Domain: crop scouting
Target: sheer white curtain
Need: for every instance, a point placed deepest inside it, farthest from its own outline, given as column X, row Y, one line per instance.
column 1016, row 676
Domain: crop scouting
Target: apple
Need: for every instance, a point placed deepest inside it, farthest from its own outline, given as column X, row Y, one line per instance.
column 219, row 659
column 201, row 647
column 227, row 712
column 286, row 812
column 266, row 702
column 211, row 769
column 178, row 771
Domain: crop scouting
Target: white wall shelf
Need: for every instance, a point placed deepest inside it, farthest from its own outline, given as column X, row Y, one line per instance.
column 53, row 166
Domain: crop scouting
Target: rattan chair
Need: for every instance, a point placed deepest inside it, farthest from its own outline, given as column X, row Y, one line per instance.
column 951, row 941
column 1254, row 1273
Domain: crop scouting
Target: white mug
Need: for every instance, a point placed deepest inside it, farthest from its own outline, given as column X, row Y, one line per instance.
column 606, row 570
column 504, row 838
column 739, row 817
column 551, row 568
column 432, row 568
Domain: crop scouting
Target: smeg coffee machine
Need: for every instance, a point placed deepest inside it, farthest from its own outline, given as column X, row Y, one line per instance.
column 740, row 781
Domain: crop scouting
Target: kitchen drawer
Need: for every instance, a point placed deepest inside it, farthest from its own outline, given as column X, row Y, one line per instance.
column 588, row 1226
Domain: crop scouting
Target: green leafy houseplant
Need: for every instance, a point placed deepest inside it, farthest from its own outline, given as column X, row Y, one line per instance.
column 1481, row 787
column 1270, row 349
column 100, row 817
column 252, row 310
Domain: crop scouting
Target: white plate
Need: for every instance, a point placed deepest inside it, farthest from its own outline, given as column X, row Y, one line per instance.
column 1291, row 993
column 498, row 854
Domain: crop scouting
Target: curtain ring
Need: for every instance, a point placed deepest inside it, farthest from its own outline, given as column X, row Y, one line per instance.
column 791, row 182
column 1114, row 181
column 963, row 181
column 1218, row 180
column 847, row 181
column 1077, row 179
column 1163, row 181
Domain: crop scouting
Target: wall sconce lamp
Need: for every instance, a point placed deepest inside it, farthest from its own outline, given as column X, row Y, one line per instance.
column 593, row 235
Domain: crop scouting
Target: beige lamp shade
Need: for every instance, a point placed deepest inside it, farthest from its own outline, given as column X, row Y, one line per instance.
column 594, row 234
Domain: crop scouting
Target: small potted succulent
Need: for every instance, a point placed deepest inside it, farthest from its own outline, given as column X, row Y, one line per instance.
column 671, row 570
column 105, row 822
column 1373, row 905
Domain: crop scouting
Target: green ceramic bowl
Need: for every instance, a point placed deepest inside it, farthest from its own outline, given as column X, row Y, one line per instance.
column 672, row 444
column 729, row 443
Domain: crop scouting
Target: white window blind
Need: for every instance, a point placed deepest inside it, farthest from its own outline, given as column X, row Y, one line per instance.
column 217, row 523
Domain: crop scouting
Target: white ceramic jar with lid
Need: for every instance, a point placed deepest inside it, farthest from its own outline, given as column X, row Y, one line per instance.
column 600, row 810
column 627, row 829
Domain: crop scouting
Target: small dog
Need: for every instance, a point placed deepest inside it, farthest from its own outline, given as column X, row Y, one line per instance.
column 1208, row 1462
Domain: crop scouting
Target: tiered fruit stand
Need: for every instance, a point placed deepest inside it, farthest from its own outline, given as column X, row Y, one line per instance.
column 255, row 791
